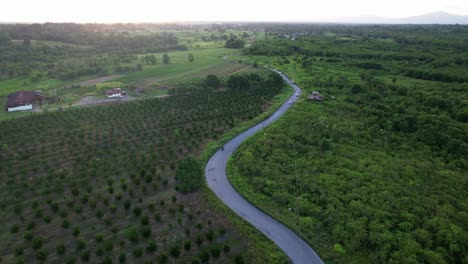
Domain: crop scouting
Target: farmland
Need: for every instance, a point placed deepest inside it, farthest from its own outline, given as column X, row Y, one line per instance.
column 96, row 184
column 55, row 66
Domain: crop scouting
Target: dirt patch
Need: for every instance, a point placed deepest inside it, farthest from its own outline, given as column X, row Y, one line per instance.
column 92, row 100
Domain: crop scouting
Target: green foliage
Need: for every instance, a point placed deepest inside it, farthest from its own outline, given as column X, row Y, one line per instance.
column 234, row 43
column 189, row 174
column 165, row 58
column 238, row 82
column 377, row 169
column 190, row 57
column 212, row 81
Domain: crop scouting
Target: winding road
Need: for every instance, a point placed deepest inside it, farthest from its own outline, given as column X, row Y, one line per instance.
column 294, row 246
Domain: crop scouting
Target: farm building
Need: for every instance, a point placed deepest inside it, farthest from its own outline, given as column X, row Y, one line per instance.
column 115, row 92
column 20, row 101
column 315, row 96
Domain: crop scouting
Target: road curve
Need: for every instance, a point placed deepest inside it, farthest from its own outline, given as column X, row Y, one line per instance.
column 295, row 247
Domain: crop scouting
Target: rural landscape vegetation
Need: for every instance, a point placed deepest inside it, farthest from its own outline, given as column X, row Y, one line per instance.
column 369, row 165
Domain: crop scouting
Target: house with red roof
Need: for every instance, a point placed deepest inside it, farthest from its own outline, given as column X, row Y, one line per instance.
column 20, row 101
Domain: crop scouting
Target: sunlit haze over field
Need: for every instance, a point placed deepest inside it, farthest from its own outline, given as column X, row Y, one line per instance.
column 90, row 11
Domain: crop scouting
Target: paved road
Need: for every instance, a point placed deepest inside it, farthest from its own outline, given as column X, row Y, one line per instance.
column 294, row 246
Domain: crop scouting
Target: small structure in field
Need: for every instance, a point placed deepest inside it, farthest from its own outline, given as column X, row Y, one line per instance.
column 115, row 92
column 315, row 96
column 20, row 101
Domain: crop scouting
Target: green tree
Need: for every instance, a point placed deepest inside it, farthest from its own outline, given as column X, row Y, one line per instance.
column 152, row 59
column 190, row 57
column 189, row 174
column 212, row 81
column 238, row 82
column 166, row 59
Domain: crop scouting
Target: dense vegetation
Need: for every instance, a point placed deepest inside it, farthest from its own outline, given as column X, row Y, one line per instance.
column 96, row 184
column 378, row 173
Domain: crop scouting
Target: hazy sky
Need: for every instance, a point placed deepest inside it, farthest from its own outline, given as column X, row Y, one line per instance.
column 215, row 10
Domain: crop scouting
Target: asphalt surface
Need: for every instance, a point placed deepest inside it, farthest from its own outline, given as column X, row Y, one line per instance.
column 294, row 246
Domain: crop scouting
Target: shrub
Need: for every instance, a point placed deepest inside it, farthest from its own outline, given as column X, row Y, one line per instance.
column 122, row 257
column 239, row 259
column 41, row 255
column 215, row 251
column 60, row 249
column 99, row 238
column 162, row 258
column 137, row 252
column 152, row 246
column 28, row 235
column 80, row 244
column 85, row 256
column 204, row 256
column 37, row 243
column 14, row 228
column 209, row 235
column 187, row 245
column 175, row 251
column 145, row 231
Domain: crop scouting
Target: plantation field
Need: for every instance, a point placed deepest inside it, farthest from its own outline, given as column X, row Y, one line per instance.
column 96, row 184
column 376, row 173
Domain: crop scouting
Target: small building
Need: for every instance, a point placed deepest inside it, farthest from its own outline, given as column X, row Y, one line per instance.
column 315, row 96
column 20, row 101
column 115, row 92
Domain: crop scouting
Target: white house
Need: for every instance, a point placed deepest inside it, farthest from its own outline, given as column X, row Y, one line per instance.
column 115, row 92
column 20, row 101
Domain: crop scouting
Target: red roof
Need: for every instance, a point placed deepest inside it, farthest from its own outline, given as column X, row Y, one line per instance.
column 113, row 91
column 20, row 98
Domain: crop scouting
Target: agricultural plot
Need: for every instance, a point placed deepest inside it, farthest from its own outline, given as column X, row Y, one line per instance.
column 223, row 70
column 96, row 184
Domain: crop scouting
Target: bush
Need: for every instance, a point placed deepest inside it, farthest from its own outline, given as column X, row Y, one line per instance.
column 215, row 251
column 175, row 251
column 238, row 82
column 138, row 252
column 187, row 245
column 37, row 243
column 41, row 255
column 162, row 258
column 212, row 81
column 152, row 246
column 122, row 257
column 239, row 259
column 80, row 244
column 60, row 249
column 189, row 174
column 204, row 256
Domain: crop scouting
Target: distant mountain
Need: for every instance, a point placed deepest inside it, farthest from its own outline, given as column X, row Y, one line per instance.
column 430, row 18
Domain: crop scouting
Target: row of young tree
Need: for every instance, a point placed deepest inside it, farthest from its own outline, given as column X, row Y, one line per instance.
column 102, row 181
